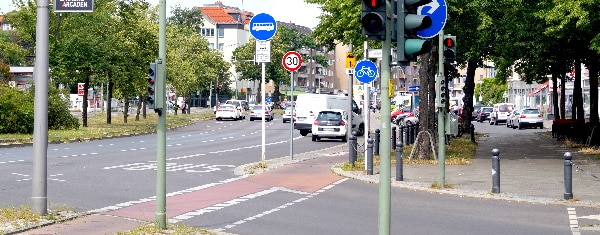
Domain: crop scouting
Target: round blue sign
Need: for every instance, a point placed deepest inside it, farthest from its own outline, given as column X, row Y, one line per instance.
column 263, row 26
column 365, row 71
column 438, row 11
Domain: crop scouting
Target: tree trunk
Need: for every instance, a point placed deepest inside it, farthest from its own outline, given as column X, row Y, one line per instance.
column 143, row 108
column 125, row 109
column 110, row 87
column 563, row 110
column 593, row 71
column 469, row 90
column 86, row 85
column 427, row 104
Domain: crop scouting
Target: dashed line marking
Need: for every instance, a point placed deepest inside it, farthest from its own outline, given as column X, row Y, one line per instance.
column 573, row 223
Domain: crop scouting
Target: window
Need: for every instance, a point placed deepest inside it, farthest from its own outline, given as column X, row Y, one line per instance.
column 221, row 33
column 221, row 45
column 207, row 32
column 211, row 45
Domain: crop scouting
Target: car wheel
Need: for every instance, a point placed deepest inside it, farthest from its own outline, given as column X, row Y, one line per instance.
column 251, row 119
column 303, row 132
column 520, row 126
column 361, row 130
column 345, row 138
column 314, row 138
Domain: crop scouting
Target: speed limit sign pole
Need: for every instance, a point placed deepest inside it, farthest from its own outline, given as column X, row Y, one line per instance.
column 292, row 62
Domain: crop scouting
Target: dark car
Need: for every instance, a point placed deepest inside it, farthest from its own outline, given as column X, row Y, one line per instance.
column 484, row 114
column 476, row 109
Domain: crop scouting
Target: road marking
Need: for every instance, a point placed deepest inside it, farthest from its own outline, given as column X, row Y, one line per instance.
column 284, row 205
column 573, row 223
column 26, row 177
column 17, row 161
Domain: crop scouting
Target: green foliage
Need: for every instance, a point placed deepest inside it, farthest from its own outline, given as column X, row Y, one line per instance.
column 59, row 117
column 17, row 111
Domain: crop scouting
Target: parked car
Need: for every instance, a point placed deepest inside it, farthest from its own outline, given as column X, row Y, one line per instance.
column 257, row 113
column 484, row 114
column 476, row 109
column 287, row 114
column 330, row 123
column 398, row 115
column 529, row 118
column 227, row 111
column 510, row 122
column 500, row 113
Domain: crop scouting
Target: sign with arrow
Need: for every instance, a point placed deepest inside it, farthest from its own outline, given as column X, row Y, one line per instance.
column 438, row 11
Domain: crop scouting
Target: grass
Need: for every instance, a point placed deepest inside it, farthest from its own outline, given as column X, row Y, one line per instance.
column 178, row 228
column 13, row 218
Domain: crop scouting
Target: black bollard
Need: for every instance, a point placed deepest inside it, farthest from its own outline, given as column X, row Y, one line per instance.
column 352, row 148
column 370, row 156
column 402, row 133
column 399, row 159
column 393, row 137
column 495, row 171
column 376, row 143
column 568, row 176
column 472, row 133
column 409, row 133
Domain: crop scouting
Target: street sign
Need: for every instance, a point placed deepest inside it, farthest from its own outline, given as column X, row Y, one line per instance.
column 350, row 60
column 374, row 53
column 74, row 6
column 292, row 61
column 438, row 12
column 80, row 89
column 263, row 51
column 263, row 26
column 414, row 88
column 365, row 71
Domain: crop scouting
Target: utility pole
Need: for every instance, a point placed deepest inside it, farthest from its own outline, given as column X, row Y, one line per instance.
column 161, row 128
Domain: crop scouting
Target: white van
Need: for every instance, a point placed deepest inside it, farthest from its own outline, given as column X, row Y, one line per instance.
column 308, row 107
column 500, row 113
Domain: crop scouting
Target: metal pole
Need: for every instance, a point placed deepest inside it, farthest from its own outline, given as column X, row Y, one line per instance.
column 441, row 115
column 568, row 177
column 350, row 80
column 39, row 199
column 393, row 137
column 370, row 156
column 385, row 181
column 292, row 116
column 161, row 129
column 366, row 111
column 352, row 149
column 377, row 140
column 495, row 171
column 263, row 94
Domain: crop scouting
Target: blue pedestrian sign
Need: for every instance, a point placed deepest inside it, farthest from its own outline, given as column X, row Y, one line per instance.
column 365, row 71
column 263, row 26
column 438, row 11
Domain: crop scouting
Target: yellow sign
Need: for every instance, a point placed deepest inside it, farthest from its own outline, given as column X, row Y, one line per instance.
column 358, row 90
column 391, row 88
column 350, row 60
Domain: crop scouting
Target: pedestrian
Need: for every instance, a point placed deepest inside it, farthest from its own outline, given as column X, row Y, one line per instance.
column 170, row 107
column 184, row 107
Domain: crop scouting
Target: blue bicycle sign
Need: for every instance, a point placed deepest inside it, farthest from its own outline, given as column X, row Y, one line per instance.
column 365, row 71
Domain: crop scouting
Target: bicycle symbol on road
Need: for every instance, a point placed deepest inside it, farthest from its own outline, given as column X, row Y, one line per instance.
column 364, row 70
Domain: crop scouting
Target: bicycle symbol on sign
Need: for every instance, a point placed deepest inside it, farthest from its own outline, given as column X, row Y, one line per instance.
column 364, row 70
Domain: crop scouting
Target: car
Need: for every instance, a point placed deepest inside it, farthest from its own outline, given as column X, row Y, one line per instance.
column 484, row 114
column 476, row 108
column 227, row 111
column 510, row 122
column 239, row 104
column 330, row 123
column 398, row 115
column 529, row 117
column 287, row 114
column 500, row 113
column 256, row 113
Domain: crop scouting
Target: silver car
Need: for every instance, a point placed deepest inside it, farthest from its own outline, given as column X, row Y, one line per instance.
column 529, row 118
column 287, row 114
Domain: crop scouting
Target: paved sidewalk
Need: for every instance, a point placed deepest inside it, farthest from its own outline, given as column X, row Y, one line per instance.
column 531, row 171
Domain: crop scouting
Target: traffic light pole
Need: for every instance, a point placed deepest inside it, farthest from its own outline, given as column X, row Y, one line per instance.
column 440, row 81
column 385, row 173
column 161, row 127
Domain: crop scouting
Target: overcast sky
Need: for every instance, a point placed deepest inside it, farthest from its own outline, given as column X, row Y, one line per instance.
column 294, row 11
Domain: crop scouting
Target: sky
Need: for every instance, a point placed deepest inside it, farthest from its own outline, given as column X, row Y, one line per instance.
column 294, row 11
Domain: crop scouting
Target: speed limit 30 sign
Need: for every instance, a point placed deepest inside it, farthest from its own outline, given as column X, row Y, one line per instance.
column 292, row 61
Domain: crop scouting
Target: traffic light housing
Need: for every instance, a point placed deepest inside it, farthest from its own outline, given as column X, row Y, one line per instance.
column 449, row 48
column 443, row 92
column 409, row 46
column 373, row 19
column 151, row 96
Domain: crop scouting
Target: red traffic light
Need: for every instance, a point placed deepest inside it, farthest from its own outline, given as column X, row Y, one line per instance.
column 151, row 81
column 374, row 3
column 448, row 42
column 150, row 91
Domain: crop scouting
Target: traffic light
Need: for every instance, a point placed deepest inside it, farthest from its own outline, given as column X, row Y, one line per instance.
column 443, row 92
column 217, row 87
column 409, row 46
column 449, row 48
column 151, row 98
column 373, row 19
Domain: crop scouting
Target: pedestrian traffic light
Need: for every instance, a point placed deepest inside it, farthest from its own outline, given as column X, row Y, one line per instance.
column 443, row 92
column 408, row 22
column 449, row 48
column 373, row 19
column 151, row 97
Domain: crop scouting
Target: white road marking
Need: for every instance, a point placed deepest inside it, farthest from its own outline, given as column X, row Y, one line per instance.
column 573, row 223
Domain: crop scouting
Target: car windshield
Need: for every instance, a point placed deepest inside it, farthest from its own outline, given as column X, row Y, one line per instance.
column 224, row 107
column 487, row 109
column 531, row 111
column 330, row 116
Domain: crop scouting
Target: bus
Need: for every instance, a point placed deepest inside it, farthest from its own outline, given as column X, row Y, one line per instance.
column 263, row 26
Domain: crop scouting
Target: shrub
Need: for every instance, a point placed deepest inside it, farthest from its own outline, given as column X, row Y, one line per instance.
column 17, row 111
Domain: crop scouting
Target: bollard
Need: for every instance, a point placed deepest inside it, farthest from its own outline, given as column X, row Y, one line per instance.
column 495, row 171
column 393, row 137
column 409, row 133
column 370, row 156
column 399, row 159
column 568, row 176
column 472, row 133
column 376, row 143
column 352, row 148
column 402, row 133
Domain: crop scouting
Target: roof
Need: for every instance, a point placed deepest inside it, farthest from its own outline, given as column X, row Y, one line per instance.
column 217, row 14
